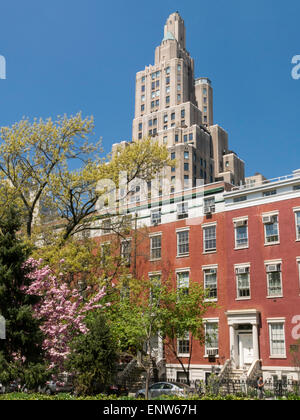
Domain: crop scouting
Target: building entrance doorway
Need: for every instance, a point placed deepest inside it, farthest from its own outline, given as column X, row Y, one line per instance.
column 246, row 354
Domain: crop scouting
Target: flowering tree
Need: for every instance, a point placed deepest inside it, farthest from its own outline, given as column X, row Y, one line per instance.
column 61, row 309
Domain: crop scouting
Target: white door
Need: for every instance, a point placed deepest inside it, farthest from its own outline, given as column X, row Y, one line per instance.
column 246, row 349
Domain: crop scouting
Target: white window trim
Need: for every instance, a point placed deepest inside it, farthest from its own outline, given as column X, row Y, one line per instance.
column 152, row 236
column 275, row 213
column 179, row 339
column 177, row 248
column 296, row 210
column 242, row 265
column 236, row 247
column 204, row 226
column 204, row 269
column 274, row 296
column 276, row 321
column 211, row 321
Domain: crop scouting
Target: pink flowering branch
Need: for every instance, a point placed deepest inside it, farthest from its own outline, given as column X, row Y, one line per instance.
column 61, row 309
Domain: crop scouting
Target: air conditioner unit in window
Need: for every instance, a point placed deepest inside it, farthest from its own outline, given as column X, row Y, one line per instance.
column 273, row 268
column 241, row 223
column 267, row 219
column 242, row 270
column 212, row 352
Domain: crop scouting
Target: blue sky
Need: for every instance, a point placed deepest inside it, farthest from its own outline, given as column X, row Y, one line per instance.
column 65, row 56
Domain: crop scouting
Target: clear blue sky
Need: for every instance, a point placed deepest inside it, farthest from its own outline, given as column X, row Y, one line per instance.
column 65, row 56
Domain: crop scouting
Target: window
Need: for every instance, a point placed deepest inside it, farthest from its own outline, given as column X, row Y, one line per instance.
column 155, row 243
column 179, row 67
column 183, row 344
column 186, row 181
column 204, row 91
column 241, row 233
column 168, row 90
column 173, row 116
column 143, row 88
column 126, row 251
column 186, row 155
column 277, row 339
column 106, row 227
column 165, row 118
column 105, row 252
column 155, row 285
column 156, row 217
column 140, row 126
column 182, row 243
column 157, row 83
column 178, row 87
column 182, row 211
column 173, row 156
column 178, row 98
column 182, row 114
column 297, row 216
column 186, row 167
column 210, row 283
column 296, row 187
column 274, row 281
column 165, row 140
column 142, row 108
column 157, row 102
column 209, row 205
column 190, row 136
column 143, row 98
column 143, row 79
column 239, row 199
column 211, row 337
column 271, row 228
column 183, row 281
column 176, row 138
column 168, row 70
column 167, row 99
column 209, row 238
column 242, row 282
column 167, row 80
column 269, row 193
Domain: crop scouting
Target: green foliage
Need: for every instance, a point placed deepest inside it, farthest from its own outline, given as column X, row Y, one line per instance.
column 22, row 349
column 93, row 357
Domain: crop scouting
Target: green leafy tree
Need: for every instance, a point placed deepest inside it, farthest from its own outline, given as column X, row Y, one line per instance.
column 22, row 348
column 93, row 357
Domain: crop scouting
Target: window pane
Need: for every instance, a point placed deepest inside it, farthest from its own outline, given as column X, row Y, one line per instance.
column 210, row 242
column 277, row 339
column 183, row 242
column 212, row 336
column 210, row 284
column 156, row 247
column 241, row 236
column 274, row 283
column 243, row 285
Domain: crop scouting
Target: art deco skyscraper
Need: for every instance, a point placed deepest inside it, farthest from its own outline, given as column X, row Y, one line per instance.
column 177, row 109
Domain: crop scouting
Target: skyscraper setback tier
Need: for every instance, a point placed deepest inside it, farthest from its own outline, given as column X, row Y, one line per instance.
column 177, row 110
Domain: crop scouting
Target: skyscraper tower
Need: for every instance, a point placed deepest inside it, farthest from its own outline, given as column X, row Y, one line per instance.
column 177, row 109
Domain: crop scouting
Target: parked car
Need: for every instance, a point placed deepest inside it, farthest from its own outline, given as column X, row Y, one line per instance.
column 118, row 390
column 2, row 389
column 62, row 384
column 166, row 388
column 13, row 386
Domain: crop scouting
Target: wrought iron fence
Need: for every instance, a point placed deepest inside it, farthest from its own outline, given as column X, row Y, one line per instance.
column 215, row 386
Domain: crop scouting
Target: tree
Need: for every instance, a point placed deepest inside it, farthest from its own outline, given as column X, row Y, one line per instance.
column 56, row 175
column 32, row 153
column 22, row 348
column 61, row 310
column 152, row 309
column 93, row 356
column 182, row 313
column 135, row 319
